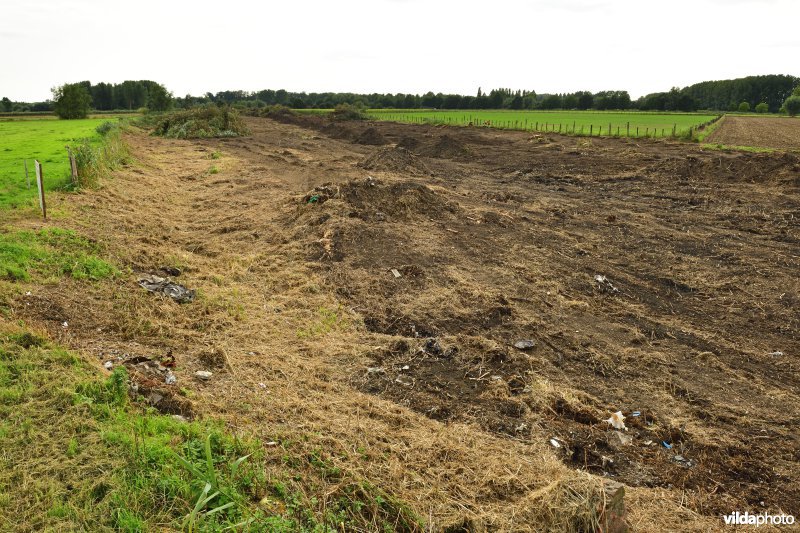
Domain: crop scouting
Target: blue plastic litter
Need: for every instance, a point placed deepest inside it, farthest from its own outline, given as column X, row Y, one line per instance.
column 636, row 413
column 666, row 444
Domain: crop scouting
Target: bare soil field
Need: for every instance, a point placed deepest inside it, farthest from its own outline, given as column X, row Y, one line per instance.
column 363, row 287
column 762, row 132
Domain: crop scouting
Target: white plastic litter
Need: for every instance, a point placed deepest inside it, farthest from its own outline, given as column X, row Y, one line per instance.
column 617, row 421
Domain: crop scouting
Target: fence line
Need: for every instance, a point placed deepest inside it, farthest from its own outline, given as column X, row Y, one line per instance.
column 595, row 130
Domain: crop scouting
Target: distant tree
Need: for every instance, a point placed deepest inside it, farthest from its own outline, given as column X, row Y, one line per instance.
column 792, row 105
column 796, row 91
column 7, row 105
column 585, row 100
column 452, row 101
column 158, row 99
column 552, row 101
column 71, row 100
column 763, row 107
column 744, row 107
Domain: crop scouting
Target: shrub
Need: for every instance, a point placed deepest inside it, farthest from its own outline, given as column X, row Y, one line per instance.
column 105, row 127
column 71, row 100
column 792, row 105
column 278, row 110
column 762, row 108
column 201, row 122
column 744, row 107
column 349, row 112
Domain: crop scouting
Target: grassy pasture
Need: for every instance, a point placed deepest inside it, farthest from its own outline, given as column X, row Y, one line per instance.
column 583, row 122
column 43, row 139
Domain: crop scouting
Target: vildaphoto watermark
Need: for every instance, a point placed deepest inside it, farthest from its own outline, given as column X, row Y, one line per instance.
column 760, row 519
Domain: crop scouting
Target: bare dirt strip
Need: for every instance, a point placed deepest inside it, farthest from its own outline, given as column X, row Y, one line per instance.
column 362, row 287
column 782, row 133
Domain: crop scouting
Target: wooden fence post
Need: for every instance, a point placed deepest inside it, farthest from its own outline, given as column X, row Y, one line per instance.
column 40, row 184
column 27, row 177
column 591, row 127
column 628, row 130
column 72, row 166
column 674, row 127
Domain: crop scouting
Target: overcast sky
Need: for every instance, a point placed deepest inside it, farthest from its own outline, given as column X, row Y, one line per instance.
column 408, row 46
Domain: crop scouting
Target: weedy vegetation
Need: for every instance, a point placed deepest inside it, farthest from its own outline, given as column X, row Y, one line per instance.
column 201, row 122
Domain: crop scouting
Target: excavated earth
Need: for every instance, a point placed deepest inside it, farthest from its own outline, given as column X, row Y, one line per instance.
column 782, row 133
column 650, row 277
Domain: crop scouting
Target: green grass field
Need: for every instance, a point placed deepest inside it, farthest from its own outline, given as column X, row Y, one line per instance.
column 633, row 124
column 43, row 139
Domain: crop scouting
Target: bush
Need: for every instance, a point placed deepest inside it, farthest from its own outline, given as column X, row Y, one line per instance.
column 349, row 112
column 762, row 108
column 201, row 122
column 792, row 105
column 278, row 110
column 71, row 100
column 105, row 127
column 744, row 107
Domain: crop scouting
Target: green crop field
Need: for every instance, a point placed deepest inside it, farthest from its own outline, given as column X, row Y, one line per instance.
column 43, row 139
column 633, row 124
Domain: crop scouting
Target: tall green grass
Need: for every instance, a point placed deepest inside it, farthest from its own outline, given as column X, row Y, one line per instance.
column 94, row 161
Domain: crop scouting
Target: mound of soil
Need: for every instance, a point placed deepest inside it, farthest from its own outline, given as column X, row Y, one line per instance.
column 337, row 131
column 409, row 143
column 405, row 200
column 394, row 159
column 446, row 147
column 371, row 137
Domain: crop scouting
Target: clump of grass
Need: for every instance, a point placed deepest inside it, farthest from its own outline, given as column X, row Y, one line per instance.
column 50, row 253
column 105, row 127
column 95, row 162
column 201, row 122
column 327, row 320
column 344, row 112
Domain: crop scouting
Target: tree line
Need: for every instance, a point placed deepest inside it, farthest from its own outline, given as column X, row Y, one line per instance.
column 494, row 99
column 760, row 93
column 75, row 100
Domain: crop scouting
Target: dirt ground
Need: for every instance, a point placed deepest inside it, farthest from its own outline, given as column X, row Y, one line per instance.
column 364, row 286
column 764, row 132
